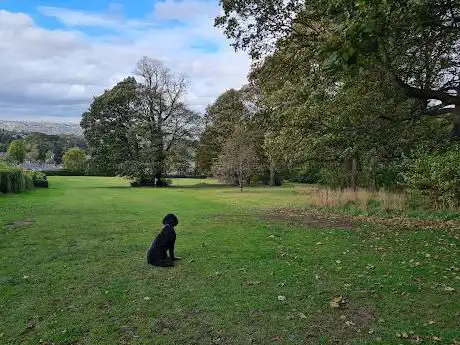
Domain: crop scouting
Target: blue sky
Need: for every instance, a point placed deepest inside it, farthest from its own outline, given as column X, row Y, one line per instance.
column 56, row 55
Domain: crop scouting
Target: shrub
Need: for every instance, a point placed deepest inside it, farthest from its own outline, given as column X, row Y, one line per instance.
column 63, row 172
column 12, row 181
column 5, row 181
column 40, row 180
column 436, row 179
column 151, row 183
column 75, row 160
column 18, row 182
column 29, row 180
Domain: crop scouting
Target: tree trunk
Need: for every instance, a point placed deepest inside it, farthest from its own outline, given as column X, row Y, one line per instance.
column 354, row 173
column 159, row 156
column 456, row 131
column 240, row 177
column 272, row 174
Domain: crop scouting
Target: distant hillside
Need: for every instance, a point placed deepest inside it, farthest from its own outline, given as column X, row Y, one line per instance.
column 42, row 127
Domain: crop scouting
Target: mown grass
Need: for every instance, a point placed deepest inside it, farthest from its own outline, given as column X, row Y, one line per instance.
column 73, row 271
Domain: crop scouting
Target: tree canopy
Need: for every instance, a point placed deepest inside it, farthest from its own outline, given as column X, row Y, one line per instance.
column 75, row 160
column 17, row 151
column 415, row 43
column 132, row 127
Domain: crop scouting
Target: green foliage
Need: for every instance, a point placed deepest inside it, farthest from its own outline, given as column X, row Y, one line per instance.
column 40, row 179
column 75, row 160
column 5, row 181
column 14, row 180
column 29, row 180
column 42, row 147
column 64, row 172
column 238, row 163
column 436, row 177
column 17, row 151
column 132, row 128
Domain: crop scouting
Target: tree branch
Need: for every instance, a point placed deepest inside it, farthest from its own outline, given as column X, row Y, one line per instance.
column 413, row 92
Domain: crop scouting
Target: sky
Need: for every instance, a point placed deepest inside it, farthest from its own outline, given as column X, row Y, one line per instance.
column 56, row 55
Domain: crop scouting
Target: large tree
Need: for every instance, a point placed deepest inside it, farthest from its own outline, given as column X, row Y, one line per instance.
column 220, row 120
column 414, row 42
column 75, row 160
column 17, row 151
column 238, row 161
column 132, row 127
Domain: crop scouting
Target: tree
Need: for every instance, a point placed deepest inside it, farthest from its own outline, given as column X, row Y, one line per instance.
column 238, row 161
column 131, row 128
column 75, row 160
column 221, row 118
column 413, row 42
column 17, row 151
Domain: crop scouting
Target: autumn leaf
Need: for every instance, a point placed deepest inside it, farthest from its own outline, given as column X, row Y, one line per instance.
column 337, row 302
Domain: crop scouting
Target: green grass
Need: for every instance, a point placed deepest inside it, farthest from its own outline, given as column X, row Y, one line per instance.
column 73, row 271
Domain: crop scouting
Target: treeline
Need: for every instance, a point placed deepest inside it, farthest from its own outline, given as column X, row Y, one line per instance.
column 347, row 94
column 39, row 147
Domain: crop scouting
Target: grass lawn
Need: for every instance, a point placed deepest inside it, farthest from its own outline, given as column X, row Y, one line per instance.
column 73, row 271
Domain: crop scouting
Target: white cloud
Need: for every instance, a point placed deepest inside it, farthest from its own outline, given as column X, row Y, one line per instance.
column 185, row 10
column 55, row 73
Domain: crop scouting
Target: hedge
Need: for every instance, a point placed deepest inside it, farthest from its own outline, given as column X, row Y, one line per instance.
column 13, row 180
column 62, row 172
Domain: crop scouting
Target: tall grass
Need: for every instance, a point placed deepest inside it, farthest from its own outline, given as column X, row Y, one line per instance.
column 361, row 198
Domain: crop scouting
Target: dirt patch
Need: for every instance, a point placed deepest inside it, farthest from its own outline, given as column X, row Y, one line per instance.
column 315, row 218
column 19, row 224
column 341, row 326
column 311, row 218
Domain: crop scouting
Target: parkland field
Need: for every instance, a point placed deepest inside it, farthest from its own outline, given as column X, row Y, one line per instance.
column 258, row 267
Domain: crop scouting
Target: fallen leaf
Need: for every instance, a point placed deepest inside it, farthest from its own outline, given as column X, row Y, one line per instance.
column 338, row 261
column 281, row 298
column 337, row 302
column 448, row 288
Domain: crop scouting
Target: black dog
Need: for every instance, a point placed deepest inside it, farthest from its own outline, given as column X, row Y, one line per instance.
column 165, row 241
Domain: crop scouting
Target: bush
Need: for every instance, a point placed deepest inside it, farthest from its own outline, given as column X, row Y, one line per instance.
column 40, row 180
column 436, row 179
column 29, row 180
column 151, row 183
column 5, row 181
column 12, row 181
column 18, row 182
column 198, row 177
